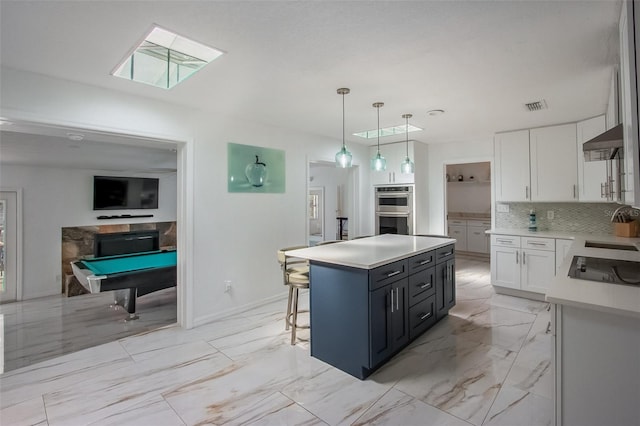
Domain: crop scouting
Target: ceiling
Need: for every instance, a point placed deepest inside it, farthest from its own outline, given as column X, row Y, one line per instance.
column 480, row 61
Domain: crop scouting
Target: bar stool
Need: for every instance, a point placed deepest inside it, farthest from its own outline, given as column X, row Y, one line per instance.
column 295, row 274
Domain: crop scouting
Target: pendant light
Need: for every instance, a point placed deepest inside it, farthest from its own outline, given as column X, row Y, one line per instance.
column 343, row 157
column 407, row 165
column 378, row 163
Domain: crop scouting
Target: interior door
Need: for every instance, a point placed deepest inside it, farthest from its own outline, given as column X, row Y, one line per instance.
column 316, row 215
column 8, row 246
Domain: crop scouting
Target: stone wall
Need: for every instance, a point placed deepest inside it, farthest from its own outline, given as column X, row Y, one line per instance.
column 78, row 243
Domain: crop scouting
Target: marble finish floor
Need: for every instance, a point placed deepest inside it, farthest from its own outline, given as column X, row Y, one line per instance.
column 487, row 363
column 39, row 329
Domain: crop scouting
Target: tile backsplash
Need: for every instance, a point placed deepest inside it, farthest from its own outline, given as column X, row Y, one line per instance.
column 587, row 218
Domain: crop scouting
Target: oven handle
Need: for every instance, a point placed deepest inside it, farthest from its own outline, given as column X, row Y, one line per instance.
column 394, row 214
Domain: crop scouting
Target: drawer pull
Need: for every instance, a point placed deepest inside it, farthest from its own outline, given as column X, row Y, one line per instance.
column 533, row 243
column 424, row 262
column 426, row 285
column 391, row 274
column 504, row 241
column 449, row 253
column 425, row 316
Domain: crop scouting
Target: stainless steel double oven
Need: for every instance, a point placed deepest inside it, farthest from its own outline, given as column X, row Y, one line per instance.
column 394, row 210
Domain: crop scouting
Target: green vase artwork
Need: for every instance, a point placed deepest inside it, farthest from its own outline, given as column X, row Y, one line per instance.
column 255, row 169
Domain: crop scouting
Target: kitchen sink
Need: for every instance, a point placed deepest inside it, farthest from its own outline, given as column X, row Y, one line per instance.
column 611, row 246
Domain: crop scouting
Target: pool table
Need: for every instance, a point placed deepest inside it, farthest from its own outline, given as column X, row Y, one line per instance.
column 131, row 275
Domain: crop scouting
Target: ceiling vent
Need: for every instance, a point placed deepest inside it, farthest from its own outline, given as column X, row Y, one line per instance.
column 537, row 105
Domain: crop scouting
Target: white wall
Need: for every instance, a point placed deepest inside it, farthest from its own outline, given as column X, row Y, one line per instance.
column 235, row 236
column 439, row 155
column 54, row 198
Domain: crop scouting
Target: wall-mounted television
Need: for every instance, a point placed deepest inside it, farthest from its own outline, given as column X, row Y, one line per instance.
column 120, row 193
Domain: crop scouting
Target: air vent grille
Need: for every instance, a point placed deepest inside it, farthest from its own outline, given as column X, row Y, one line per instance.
column 537, row 105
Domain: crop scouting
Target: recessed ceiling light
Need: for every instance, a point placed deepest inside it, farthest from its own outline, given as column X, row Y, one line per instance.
column 164, row 59
column 75, row 136
column 388, row 131
column 435, row 112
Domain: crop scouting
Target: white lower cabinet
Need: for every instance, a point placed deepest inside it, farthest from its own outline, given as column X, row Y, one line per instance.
column 470, row 235
column 522, row 263
column 459, row 232
column 595, row 360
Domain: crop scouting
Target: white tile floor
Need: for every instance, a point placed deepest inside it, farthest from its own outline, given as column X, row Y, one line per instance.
column 487, row 363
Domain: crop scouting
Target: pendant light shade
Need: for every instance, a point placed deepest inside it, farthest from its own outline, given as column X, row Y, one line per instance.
column 343, row 157
column 407, row 165
column 378, row 163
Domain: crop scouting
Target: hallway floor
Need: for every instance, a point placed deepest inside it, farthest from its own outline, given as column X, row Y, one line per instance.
column 487, row 363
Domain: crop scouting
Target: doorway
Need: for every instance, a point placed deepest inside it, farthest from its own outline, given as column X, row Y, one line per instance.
column 468, row 205
column 334, row 190
column 8, row 246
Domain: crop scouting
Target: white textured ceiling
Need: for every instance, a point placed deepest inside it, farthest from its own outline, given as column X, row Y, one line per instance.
column 480, row 61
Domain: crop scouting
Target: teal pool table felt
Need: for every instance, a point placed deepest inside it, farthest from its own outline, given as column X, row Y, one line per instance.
column 133, row 262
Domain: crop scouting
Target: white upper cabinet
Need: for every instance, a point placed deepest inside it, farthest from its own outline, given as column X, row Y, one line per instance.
column 394, row 153
column 628, row 97
column 592, row 175
column 554, row 169
column 511, row 156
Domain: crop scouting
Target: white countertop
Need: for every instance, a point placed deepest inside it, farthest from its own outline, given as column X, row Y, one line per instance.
column 614, row 298
column 371, row 252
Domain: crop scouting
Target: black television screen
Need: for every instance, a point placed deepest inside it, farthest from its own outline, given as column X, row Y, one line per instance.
column 119, row 193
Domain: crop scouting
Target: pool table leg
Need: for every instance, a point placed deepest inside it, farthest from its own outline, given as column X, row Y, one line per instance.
column 127, row 299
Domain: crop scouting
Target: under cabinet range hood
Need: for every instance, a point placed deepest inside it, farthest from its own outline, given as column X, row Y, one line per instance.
column 605, row 146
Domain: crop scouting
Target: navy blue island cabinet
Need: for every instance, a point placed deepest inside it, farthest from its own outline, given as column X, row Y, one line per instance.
column 361, row 317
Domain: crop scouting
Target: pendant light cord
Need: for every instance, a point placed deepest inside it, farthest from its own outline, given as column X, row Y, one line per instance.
column 343, row 146
column 378, row 108
column 406, row 130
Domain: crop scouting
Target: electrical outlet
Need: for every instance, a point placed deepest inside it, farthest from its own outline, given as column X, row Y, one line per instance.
column 227, row 286
column 503, row 208
column 550, row 214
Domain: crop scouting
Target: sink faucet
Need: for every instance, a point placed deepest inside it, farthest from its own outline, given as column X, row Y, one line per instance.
column 620, row 215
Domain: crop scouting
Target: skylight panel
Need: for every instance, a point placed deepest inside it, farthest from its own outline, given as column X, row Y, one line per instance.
column 164, row 59
column 388, row 131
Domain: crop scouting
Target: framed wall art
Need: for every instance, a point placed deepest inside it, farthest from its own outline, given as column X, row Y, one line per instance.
column 255, row 169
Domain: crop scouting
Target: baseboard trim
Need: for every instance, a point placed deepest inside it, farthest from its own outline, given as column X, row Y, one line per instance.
column 205, row 319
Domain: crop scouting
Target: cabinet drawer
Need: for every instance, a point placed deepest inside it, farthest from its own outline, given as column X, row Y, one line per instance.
column 505, row 241
column 456, row 222
column 387, row 274
column 539, row 243
column 483, row 223
column 421, row 285
column 444, row 253
column 422, row 261
column 422, row 316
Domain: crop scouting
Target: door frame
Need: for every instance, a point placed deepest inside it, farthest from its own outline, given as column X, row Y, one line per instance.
column 18, row 253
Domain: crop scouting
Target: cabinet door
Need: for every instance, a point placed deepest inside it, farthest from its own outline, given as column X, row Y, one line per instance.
column 380, row 323
column 538, row 268
column 591, row 174
column 511, row 156
column 400, row 314
column 459, row 232
column 477, row 240
column 629, row 106
column 554, row 165
column 445, row 287
column 389, row 320
column 398, row 152
column 505, row 266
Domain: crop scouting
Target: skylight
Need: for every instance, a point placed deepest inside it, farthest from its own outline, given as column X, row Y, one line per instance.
column 388, row 131
column 164, row 59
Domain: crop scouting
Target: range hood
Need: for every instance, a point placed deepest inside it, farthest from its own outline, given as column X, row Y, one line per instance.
column 606, row 146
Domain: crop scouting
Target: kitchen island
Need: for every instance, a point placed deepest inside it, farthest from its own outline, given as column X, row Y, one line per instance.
column 370, row 297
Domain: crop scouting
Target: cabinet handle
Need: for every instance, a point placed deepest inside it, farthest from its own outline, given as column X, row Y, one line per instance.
column 424, row 262
column 533, row 243
column 517, row 257
column 574, row 191
column 391, row 274
column 391, row 300
column 526, row 192
column 602, row 191
column 449, row 253
column 523, row 261
column 397, row 298
column 425, row 316
column 426, row 285
column 504, row 241
column 548, row 330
